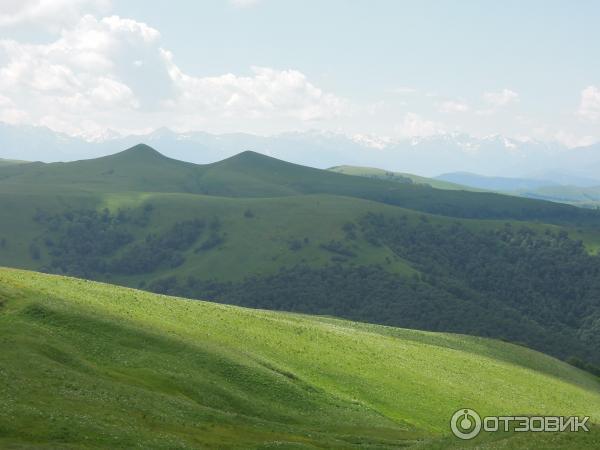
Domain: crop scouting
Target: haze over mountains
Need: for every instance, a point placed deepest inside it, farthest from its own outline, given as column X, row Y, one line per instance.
column 428, row 156
column 506, row 184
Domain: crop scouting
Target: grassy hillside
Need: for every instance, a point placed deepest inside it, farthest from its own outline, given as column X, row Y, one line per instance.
column 587, row 197
column 138, row 169
column 258, row 244
column 255, row 231
column 8, row 162
column 93, row 365
column 250, row 174
column 400, row 177
column 582, row 196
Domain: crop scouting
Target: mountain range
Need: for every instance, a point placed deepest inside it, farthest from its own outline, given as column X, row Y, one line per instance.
column 496, row 155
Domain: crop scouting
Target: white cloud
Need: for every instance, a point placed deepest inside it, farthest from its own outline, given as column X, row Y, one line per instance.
column 590, row 103
column 414, row 125
column 50, row 14
column 501, row 98
column 244, row 3
column 571, row 140
column 113, row 73
column 267, row 92
column 403, row 90
column 9, row 113
column 453, row 107
column 375, row 108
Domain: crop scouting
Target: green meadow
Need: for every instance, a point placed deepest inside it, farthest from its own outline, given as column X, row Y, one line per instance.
column 91, row 365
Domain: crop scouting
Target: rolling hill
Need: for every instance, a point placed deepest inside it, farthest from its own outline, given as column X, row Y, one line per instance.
column 89, row 365
column 588, row 197
column 255, row 231
column 498, row 184
column 583, row 196
column 400, row 177
column 9, row 162
column 251, row 174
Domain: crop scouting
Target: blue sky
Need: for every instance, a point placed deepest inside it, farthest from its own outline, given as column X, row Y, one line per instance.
column 525, row 69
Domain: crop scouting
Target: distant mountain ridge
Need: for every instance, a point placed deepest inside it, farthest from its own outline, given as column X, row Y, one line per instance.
column 587, row 194
column 505, row 184
column 400, row 177
column 426, row 156
column 141, row 168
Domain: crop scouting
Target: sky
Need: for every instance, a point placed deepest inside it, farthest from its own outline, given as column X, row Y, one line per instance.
column 389, row 69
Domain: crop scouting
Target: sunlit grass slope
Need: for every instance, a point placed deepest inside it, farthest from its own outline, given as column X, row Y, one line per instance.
column 84, row 364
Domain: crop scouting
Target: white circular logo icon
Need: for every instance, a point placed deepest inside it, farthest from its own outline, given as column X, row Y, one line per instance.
column 465, row 423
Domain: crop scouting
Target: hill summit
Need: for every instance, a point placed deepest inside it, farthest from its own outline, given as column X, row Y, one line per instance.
column 250, row 174
column 140, row 152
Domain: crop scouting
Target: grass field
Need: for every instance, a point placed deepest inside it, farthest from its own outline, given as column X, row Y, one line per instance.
column 84, row 364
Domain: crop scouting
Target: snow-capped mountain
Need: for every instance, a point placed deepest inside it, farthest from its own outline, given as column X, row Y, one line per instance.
column 429, row 156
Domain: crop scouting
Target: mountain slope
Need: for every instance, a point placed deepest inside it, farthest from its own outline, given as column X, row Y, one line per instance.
column 585, row 196
column 139, row 168
column 10, row 162
column 250, row 174
column 500, row 184
column 129, row 368
column 399, row 177
column 255, row 231
column 582, row 196
column 261, row 175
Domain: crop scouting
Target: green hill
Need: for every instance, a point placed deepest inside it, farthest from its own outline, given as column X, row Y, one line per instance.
column 581, row 196
column 255, row 231
column 140, row 168
column 587, row 197
column 88, row 365
column 250, row 174
column 400, row 177
column 8, row 162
